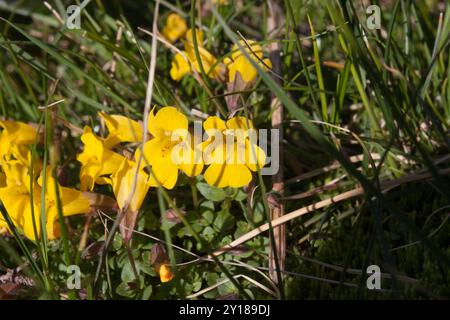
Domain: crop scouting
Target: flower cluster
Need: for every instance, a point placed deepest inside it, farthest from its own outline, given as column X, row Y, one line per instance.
column 229, row 152
column 237, row 67
column 25, row 191
column 227, row 156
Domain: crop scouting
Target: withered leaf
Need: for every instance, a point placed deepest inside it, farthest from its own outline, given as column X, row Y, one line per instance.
column 158, row 255
column 233, row 100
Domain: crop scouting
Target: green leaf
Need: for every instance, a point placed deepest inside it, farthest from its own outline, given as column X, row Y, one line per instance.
column 209, row 234
column 224, row 221
column 125, row 290
column 147, row 293
column 239, row 195
column 117, row 242
column 210, row 192
column 127, row 273
column 208, row 217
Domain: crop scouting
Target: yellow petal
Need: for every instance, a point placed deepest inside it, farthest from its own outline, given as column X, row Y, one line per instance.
column 93, row 146
column 73, row 201
column 267, row 64
column 130, row 186
column 215, row 175
column 165, row 273
column 27, row 224
column 255, row 156
column 5, row 146
column 123, row 182
column 228, row 175
column 255, row 49
column 89, row 173
column 189, row 160
column 164, row 172
column 18, row 132
column 17, row 174
column 14, row 199
column 175, row 27
column 209, row 62
column 238, row 175
column 156, row 150
column 244, row 67
column 166, row 121
column 96, row 160
column 50, row 188
column 23, row 154
column 52, row 225
column 214, row 123
column 237, row 123
column 103, row 180
column 111, row 162
column 121, row 129
column 158, row 153
column 198, row 34
column 180, row 66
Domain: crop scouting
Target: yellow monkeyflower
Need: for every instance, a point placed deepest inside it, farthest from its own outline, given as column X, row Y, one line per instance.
column 180, row 66
column 239, row 63
column 175, row 27
column 121, row 129
column 16, row 196
column 231, row 152
column 18, row 132
column 184, row 61
column 14, row 139
column 165, row 273
column 171, row 148
column 190, row 39
column 96, row 160
column 210, row 65
column 129, row 199
column 72, row 202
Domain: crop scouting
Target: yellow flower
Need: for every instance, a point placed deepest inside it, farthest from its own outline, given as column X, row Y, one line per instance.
column 18, row 132
column 213, row 69
column 175, row 27
column 239, row 63
column 171, row 148
column 121, row 129
column 16, row 196
column 122, row 182
column 165, row 273
column 190, row 39
column 14, row 140
column 180, row 67
column 231, row 152
column 72, row 202
column 183, row 62
column 96, row 160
